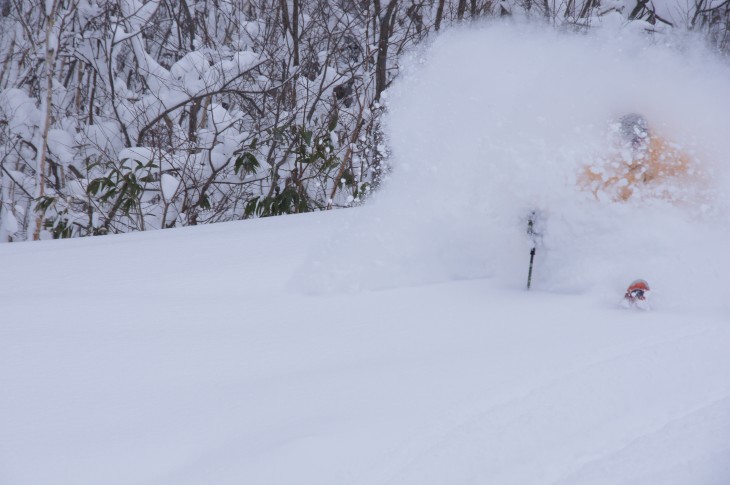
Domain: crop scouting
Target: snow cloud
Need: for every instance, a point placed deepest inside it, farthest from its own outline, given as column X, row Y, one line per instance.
column 491, row 122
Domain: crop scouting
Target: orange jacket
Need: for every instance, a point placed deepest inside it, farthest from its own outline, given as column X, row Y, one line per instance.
column 619, row 177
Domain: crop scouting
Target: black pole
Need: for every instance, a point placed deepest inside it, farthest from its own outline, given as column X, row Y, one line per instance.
column 529, row 274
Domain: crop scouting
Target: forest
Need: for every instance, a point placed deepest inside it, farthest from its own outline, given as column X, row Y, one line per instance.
column 130, row 115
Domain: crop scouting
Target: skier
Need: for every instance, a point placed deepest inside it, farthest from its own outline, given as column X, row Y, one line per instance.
column 636, row 295
column 640, row 158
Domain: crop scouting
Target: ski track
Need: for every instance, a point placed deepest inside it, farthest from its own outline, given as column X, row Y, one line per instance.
column 583, row 472
column 434, row 439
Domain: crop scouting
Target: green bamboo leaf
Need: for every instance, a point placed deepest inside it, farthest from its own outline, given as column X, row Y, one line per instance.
column 333, row 122
column 246, row 163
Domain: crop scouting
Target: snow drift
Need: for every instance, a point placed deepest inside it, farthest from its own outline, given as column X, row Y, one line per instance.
column 490, row 122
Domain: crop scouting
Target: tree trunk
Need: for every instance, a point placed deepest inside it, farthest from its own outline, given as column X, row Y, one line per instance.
column 439, row 14
column 46, row 116
column 381, row 69
column 295, row 32
column 460, row 10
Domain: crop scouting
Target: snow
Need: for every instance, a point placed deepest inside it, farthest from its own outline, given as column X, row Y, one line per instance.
column 9, row 222
column 138, row 13
column 502, row 138
column 20, row 111
column 395, row 343
column 120, row 35
column 245, row 60
column 191, row 65
column 163, row 358
column 140, row 154
column 169, row 185
column 104, row 136
column 61, row 143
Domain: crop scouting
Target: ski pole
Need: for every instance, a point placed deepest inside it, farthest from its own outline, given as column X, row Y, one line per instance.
column 529, row 273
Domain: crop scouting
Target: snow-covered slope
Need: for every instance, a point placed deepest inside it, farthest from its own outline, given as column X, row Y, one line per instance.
column 188, row 357
column 395, row 343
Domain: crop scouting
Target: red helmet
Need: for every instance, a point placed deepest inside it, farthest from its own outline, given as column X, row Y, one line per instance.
column 636, row 291
column 639, row 285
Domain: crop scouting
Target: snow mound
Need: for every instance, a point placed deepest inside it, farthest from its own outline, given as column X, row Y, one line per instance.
column 489, row 123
